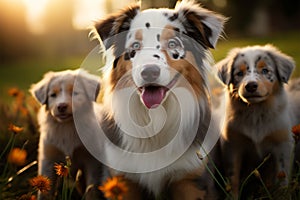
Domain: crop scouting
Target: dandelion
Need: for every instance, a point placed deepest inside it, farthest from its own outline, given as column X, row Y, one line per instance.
column 61, row 170
column 114, row 188
column 15, row 129
column 41, row 183
column 17, row 156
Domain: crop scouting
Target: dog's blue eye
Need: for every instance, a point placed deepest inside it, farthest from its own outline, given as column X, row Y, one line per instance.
column 264, row 71
column 136, row 45
column 172, row 44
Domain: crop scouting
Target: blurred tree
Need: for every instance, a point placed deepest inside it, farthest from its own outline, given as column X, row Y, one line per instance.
column 14, row 36
column 59, row 30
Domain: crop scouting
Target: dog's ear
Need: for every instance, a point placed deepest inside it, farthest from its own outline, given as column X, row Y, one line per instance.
column 202, row 25
column 91, row 84
column 108, row 28
column 225, row 66
column 39, row 90
column 284, row 64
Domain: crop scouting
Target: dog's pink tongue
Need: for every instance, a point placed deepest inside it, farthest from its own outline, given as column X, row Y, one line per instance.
column 153, row 96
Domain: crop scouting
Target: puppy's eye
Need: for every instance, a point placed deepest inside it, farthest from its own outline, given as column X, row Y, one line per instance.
column 240, row 73
column 172, row 44
column 136, row 45
column 264, row 71
column 75, row 93
column 53, row 95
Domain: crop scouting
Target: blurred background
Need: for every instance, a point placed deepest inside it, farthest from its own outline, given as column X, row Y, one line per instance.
column 41, row 35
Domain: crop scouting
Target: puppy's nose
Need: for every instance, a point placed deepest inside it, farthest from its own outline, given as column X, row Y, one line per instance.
column 62, row 107
column 251, row 87
column 150, row 72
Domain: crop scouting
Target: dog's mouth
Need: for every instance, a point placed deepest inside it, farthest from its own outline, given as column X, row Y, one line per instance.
column 64, row 116
column 152, row 95
column 254, row 98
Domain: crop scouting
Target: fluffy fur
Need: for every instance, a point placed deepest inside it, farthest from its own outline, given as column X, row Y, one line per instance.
column 61, row 94
column 156, row 95
column 258, row 122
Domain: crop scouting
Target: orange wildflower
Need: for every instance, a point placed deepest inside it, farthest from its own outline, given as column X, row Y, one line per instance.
column 27, row 197
column 296, row 130
column 114, row 188
column 17, row 156
column 14, row 92
column 15, row 129
column 41, row 183
column 281, row 175
column 61, row 170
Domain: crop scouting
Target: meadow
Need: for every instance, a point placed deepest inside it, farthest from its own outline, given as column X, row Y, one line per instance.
column 19, row 129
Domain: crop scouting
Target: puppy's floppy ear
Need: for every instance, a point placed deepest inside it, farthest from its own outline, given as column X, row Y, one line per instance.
column 39, row 90
column 91, row 84
column 225, row 66
column 284, row 64
column 202, row 25
column 108, row 28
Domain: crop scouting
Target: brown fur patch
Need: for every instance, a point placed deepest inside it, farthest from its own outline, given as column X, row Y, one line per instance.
column 277, row 137
column 243, row 67
column 261, row 64
column 167, row 33
column 123, row 66
column 186, row 67
column 139, row 35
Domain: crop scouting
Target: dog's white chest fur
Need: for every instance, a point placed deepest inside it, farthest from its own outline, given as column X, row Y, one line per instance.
column 169, row 129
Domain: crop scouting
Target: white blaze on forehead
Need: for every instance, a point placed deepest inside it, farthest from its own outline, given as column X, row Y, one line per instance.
column 151, row 22
column 250, row 57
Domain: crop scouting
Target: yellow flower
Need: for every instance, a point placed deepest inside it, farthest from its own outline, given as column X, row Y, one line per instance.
column 41, row 183
column 15, row 129
column 17, row 156
column 256, row 173
column 61, row 170
column 228, row 187
column 114, row 188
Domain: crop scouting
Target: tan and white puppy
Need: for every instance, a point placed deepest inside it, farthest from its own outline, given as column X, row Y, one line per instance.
column 62, row 94
column 257, row 121
column 156, row 99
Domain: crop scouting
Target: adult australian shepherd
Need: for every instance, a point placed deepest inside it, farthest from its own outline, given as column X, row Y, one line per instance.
column 62, row 94
column 156, row 102
column 258, row 121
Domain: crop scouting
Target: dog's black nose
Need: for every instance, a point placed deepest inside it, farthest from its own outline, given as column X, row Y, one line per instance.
column 150, row 72
column 62, row 107
column 251, row 87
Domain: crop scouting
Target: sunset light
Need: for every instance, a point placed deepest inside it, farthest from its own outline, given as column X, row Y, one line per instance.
column 84, row 13
column 35, row 10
